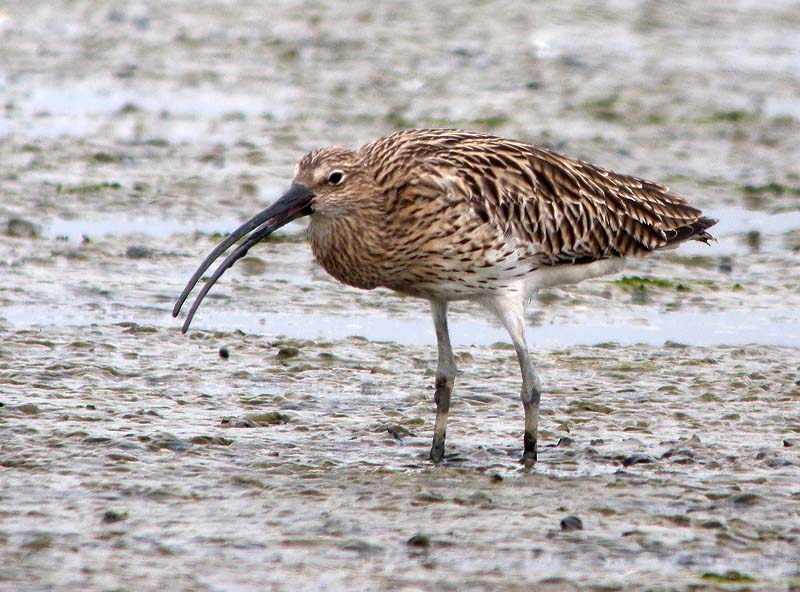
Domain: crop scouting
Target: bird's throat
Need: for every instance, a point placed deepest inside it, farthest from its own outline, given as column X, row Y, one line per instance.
column 349, row 248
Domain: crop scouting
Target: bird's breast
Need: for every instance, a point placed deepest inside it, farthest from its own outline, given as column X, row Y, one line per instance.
column 349, row 253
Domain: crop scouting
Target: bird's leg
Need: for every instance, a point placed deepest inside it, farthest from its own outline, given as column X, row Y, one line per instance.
column 511, row 314
column 445, row 377
column 531, row 396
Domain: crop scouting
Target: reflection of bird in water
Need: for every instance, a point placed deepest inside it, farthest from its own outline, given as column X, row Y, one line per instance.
column 455, row 215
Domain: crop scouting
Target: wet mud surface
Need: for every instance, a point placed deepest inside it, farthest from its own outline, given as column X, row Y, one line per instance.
column 282, row 443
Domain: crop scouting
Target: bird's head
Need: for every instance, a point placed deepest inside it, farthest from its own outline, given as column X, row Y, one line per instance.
column 327, row 184
column 335, row 177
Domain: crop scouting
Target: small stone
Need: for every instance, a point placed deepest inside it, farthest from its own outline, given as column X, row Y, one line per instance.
column 776, row 463
column 636, row 459
column 419, row 540
column 168, row 442
column 288, row 352
column 678, row 452
column 224, row 353
column 363, row 548
column 210, row 441
column 564, row 441
column 753, row 240
column 120, row 457
column 38, row 542
column 256, row 420
column 138, row 252
column 496, row 478
column 398, row 432
column 112, row 516
column 694, row 441
column 369, row 389
column 571, row 523
column 744, row 499
column 28, row 409
column 19, row 228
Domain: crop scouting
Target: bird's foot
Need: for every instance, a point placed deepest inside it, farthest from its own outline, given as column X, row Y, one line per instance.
column 437, row 450
column 529, row 451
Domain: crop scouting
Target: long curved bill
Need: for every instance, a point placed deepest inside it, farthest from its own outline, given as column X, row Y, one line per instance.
column 295, row 203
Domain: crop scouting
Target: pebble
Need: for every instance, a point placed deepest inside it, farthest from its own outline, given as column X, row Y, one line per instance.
column 138, row 252
column 210, row 441
column 399, row 432
column 419, row 540
column 744, row 499
column 256, row 420
column 224, row 353
column 169, row 442
column 288, row 352
column 28, row 409
column 363, row 548
column 20, row 228
column 637, row 459
column 678, row 452
column 112, row 516
column 571, row 523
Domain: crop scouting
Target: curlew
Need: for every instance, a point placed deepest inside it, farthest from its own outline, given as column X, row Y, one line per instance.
column 450, row 215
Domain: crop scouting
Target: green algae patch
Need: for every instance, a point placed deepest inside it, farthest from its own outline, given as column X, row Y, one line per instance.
column 771, row 188
column 604, row 109
column 89, row 188
column 729, row 577
column 735, row 116
column 635, row 282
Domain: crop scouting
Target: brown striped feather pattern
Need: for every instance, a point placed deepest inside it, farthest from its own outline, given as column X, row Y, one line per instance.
column 451, row 213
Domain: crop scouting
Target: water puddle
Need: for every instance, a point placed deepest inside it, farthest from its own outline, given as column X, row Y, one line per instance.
column 700, row 329
column 774, row 327
column 638, row 325
column 75, row 229
column 735, row 220
column 117, row 226
column 83, row 108
column 737, row 226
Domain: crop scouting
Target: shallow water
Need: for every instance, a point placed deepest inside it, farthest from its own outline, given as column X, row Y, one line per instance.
column 135, row 458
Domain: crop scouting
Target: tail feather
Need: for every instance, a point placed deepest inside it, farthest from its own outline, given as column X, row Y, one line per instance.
column 694, row 231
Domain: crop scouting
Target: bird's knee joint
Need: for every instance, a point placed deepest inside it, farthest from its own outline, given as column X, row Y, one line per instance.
column 444, row 381
column 531, row 395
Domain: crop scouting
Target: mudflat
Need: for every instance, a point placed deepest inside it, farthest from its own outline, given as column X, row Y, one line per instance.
column 282, row 443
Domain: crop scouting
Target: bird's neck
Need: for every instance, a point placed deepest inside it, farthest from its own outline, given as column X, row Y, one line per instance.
column 348, row 248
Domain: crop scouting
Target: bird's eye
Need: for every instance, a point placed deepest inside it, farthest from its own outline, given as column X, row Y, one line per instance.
column 336, row 177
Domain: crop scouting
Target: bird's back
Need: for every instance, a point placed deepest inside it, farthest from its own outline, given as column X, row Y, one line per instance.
column 481, row 210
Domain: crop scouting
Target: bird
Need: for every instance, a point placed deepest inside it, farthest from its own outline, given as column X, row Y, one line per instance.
column 448, row 215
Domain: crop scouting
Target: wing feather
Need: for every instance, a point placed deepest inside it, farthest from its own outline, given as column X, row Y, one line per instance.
column 558, row 208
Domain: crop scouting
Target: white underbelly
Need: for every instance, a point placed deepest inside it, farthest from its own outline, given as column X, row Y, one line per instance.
column 547, row 277
column 492, row 284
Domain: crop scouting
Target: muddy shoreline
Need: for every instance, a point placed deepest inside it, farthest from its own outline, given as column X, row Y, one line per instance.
column 135, row 458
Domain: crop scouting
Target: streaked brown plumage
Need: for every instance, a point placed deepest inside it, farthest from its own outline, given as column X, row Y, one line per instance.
column 450, row 215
